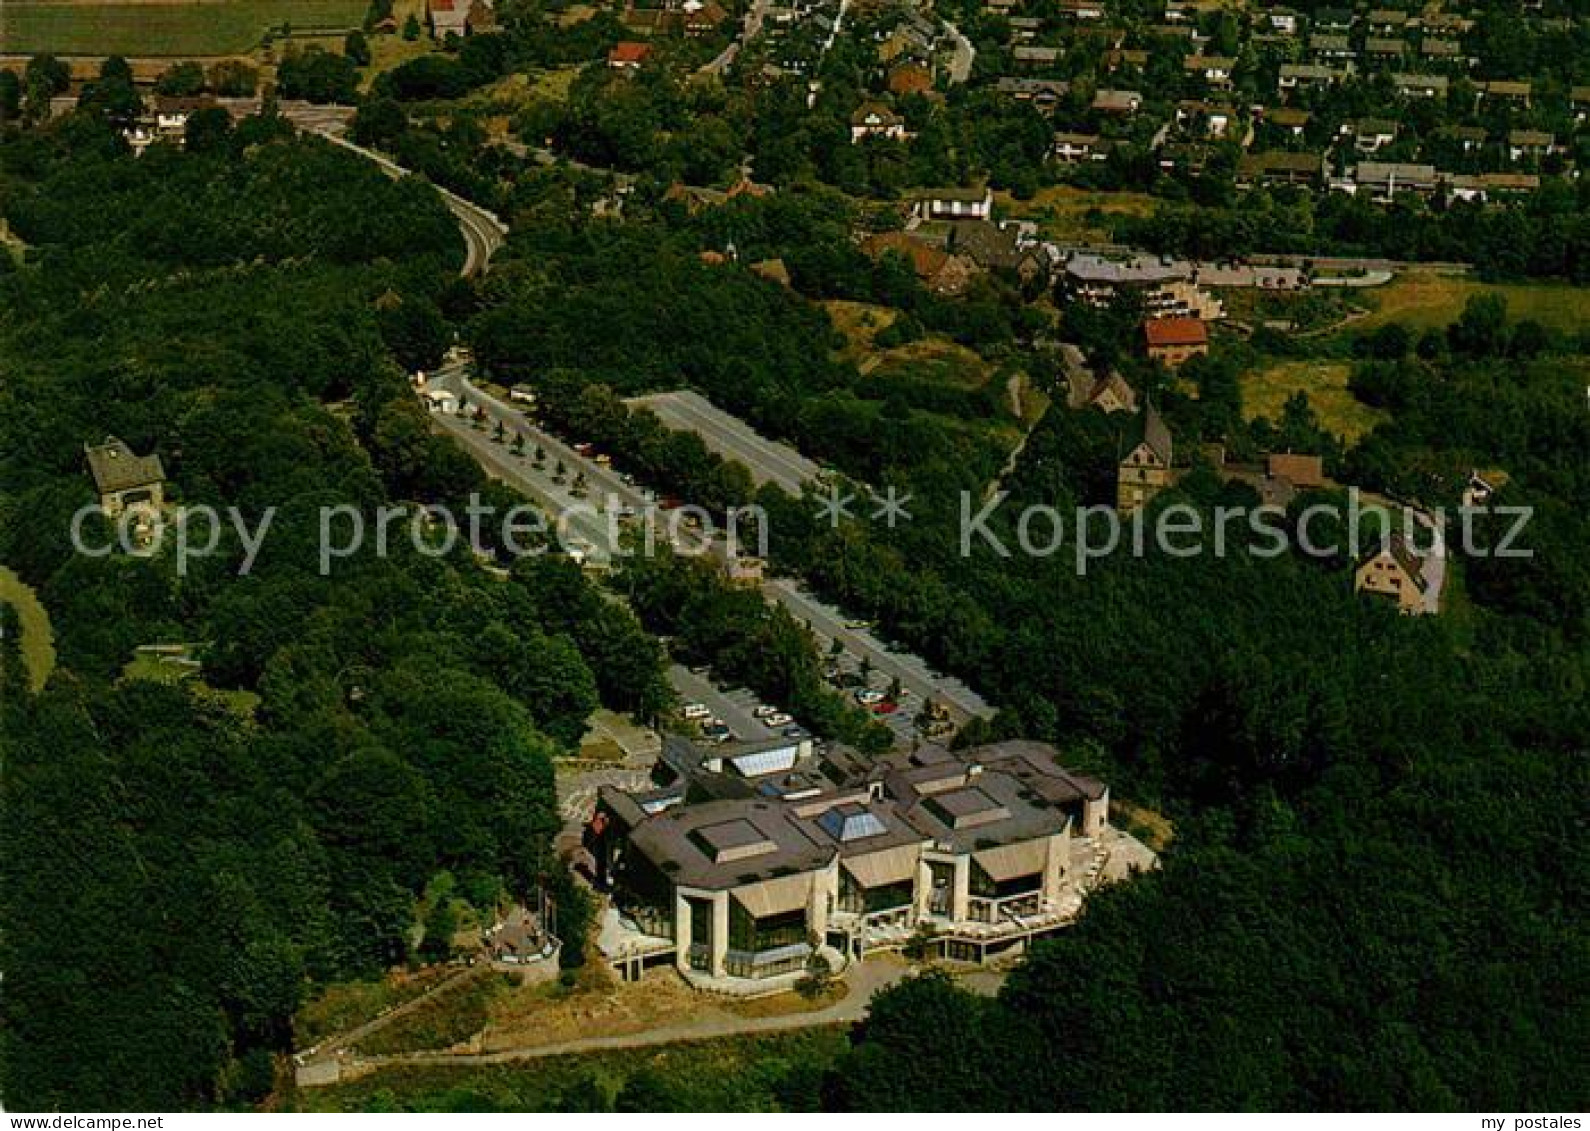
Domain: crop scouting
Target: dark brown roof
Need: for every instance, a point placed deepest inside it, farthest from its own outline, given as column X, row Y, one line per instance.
column 1299, row 470
column 115, row 467
column 1162, row 332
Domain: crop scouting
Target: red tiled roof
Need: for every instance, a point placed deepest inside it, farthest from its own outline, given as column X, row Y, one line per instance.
column 629, row 52
column 441, row 5
column 1176, row 332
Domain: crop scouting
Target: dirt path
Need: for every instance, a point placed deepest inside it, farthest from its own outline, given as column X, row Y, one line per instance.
column 711, row 1023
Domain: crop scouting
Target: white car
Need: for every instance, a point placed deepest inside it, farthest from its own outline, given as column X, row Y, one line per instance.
column 867, row 696
column 694, row 711
column 776, row 719
column 763, row 711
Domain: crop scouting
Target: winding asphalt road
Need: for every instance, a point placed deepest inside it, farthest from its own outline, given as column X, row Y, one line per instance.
column 483, row 232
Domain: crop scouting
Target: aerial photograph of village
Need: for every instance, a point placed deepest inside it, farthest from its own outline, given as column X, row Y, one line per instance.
column 808, row 556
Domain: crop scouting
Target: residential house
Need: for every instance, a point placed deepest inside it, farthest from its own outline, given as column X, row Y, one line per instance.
column 996, row 249
column 874, row 119
column 1035, row 58
column 1280, row 167
column 1384, row 52
column 1333, row 19
column 1386, row 21
column 1283, row 21
column 1506, row 92
column 703, row 19
column 1370, row 135
column 1215, row 69
column 1128, row 57
column 1396, row 573
column 1305, row 76
column 1069, row 148
column 1330, row 48
column 955, row 204
column 1024, row 29
column 1117, row 101
column 1111, row 394
column 1205, row 119
column 1579, row 102
column 447, row 17
column 1146, row 469
column 1173, row 341
column 628, row 56
column 1440, row 50
column 1481, row 188
column 1529, row 145
column 1042, row 93
column 125, row 481
column 171, row 113
column 939, row 271
column 1289, row 121
column 1382, row 181
column 1420, row 86
column 1467, row 138
column 482, row 19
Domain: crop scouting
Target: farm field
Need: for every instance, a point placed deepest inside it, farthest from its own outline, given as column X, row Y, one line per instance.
column 1427, row 301
column 1266, row 391
column 160, row 27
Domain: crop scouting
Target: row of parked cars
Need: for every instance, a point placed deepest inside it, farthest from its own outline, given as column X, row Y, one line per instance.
column 715, row 729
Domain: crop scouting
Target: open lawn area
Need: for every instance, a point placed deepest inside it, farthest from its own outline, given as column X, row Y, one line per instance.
column 162, row 28
column 762, row 1073
column 1065, row 213
column 929, row 360
column 37, row 644
column 1427, row 301
column 1266, row 391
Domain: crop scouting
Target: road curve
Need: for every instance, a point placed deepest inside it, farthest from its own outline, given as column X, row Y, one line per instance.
column 483, row 233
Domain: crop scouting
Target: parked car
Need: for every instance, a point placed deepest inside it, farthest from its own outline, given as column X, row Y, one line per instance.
column 777, row 719
column 716, row 731
column 793, row 732
column 762, row 711
column 885, row 707
column 867, row 696
column 694, row 711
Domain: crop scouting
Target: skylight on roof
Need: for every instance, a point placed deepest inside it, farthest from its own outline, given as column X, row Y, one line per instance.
column 847, row 823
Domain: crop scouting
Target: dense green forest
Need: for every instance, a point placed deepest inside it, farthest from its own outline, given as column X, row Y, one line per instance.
column 1374, row 897
column 182, row 862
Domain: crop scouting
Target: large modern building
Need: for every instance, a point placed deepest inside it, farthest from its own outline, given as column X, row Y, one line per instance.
column 754, row 861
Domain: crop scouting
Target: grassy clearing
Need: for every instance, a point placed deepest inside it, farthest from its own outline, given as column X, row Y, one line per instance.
column 221, row 27
column 733, row 1074
column 929, row 360
column 37, row 642
column 1266, row 391
column 151, row 667
column 1066, row 213
column 1430, row 301
column 347, row 1005
column 449, row 1019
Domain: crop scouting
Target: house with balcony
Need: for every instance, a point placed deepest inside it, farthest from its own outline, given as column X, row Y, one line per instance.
column 744, row 883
